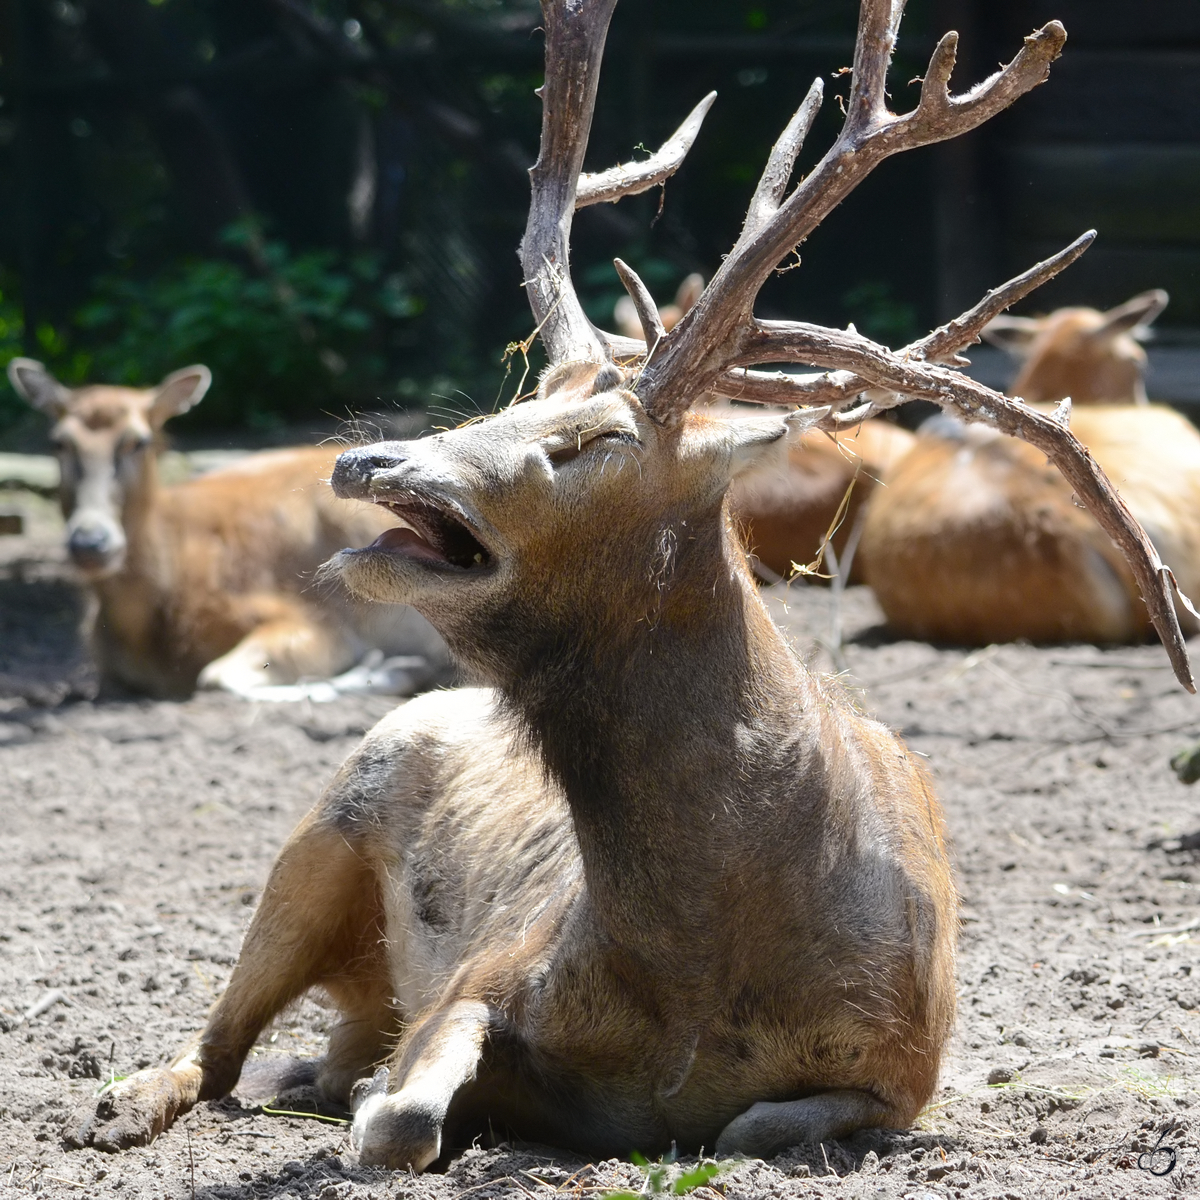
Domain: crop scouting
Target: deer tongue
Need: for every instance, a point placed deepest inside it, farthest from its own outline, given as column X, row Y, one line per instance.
column 409, row 542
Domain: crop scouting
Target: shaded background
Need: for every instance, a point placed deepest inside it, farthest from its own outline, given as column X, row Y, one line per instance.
column 322, row 200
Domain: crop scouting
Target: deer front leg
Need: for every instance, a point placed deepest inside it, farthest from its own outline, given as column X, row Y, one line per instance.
column 292, row 644
column 766, row 1129
column 403, row 1131
column 319, row 920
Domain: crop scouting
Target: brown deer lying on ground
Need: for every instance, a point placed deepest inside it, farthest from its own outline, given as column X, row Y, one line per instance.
column 209, row 580
column 977, row 539
column 818, row 482
column 656, row 882
column 807, row 489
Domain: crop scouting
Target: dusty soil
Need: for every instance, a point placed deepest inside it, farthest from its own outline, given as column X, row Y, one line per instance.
column 135, row 837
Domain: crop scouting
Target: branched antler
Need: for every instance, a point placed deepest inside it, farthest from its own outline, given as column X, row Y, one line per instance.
column 628, row 179
column 708, row 341
column 944, row 344
column 575, row 33
column 719, row 343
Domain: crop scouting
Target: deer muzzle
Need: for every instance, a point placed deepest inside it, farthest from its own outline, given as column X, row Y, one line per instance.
column 356, row 470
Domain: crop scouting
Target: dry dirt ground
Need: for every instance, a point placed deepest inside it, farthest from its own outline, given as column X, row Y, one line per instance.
column 135, row 837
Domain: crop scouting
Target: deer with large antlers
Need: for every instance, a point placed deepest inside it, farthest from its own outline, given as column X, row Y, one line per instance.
column 211, row 580
column 655, row 881
column 977, row 539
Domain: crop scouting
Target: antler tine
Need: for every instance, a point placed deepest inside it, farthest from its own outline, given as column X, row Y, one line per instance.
column 652, row 327
column 942, row 345
column 628, row 179
column 575, row 34
column 711, row 338
column 939, row 115
column 878, row 25
column 778, row 171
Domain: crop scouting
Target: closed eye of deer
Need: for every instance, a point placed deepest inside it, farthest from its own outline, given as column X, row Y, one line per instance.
column 572, row 450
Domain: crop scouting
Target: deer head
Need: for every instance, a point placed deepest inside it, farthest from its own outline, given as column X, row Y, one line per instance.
column 465, row 545
column 595, row 479
column 1091, row 356
column 106, row 440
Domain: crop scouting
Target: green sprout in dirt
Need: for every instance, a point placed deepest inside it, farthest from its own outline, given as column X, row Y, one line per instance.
column 657, row 1183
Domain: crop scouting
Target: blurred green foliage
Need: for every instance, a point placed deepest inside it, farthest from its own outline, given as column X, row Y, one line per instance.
column 878, row 314
column 283, row 333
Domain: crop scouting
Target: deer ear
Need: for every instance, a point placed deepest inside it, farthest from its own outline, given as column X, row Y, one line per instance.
column 1014, row 334
column 690, row 290
column 37, row 387
column 579, row 380
column 178, row 392
column 1134, row 316
column 751, row 438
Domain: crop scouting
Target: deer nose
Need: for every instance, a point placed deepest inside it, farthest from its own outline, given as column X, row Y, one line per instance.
column 94, row 546
column 354, row 470
column 88, row 540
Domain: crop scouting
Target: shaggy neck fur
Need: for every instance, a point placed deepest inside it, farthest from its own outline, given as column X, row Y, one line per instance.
column 667, row 705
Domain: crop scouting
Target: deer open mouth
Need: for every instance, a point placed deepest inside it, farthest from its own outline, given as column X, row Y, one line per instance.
column 430, row 534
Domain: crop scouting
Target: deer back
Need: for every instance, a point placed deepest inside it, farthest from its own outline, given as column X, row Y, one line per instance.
column 975, row 538
column 813, row 490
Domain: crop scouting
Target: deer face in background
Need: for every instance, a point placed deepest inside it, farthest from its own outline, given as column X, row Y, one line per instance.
column 1091, row 356
column 547, row 500
column 105, row 439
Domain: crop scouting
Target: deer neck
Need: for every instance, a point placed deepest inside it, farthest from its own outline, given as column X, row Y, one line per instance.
column 141, row 510
column 651, row 701
column 141, row 516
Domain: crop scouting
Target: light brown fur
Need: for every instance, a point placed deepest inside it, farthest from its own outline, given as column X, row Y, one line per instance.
column 211, row 579
column 655, row 883
column 977, row 539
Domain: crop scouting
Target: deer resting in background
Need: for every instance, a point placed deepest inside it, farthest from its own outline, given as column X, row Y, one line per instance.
column 976, row 538
column 209, row 580
column 809, row 488
column 654, row 881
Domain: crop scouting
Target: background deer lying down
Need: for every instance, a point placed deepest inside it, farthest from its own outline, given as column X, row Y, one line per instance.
column 656, row 881
column 209, row 580
column 977, row 539
column 816, row 481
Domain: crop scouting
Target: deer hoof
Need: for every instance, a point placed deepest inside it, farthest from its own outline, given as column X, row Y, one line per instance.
column 132, row 1112
column 744, row 1136
column 398, row 1132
